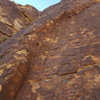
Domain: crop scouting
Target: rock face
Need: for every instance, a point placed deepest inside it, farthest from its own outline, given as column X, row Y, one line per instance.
column 12, row 19
column 57, row 57
column 29, row 11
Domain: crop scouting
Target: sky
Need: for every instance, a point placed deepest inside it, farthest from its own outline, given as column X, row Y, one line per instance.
column 39, row 4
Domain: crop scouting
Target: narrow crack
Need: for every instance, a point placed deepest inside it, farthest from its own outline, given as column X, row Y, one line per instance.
column 11, row 27
column 64, row 74
column 5, row 34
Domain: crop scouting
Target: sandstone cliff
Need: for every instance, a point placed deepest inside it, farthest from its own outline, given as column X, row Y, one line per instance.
column 56, row 57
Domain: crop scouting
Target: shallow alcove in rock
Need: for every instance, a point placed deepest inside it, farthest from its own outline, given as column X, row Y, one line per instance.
column 56, row 57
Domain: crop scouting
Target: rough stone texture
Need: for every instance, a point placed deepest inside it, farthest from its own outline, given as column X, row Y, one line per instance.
column 29, row 11
column 16, row 18
column 12, row 19
column 57, row 57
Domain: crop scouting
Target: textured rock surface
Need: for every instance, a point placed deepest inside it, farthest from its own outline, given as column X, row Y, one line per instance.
column 57, row 57
column 29, row 11
column 12, row 19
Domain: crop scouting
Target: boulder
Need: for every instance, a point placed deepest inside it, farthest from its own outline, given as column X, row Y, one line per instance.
column 56, row 57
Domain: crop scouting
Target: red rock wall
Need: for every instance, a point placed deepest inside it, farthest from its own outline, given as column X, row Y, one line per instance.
column 56, row 57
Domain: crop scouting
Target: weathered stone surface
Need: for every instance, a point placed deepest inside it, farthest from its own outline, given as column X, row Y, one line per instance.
column 29, row 11
column 12, row 19
column 16, row 18
column 56, row 57
column 3, row 37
